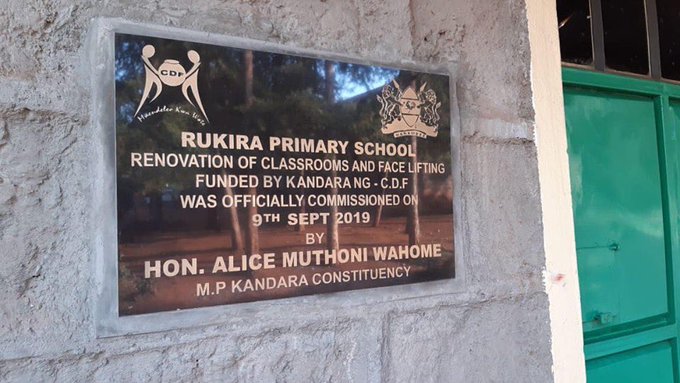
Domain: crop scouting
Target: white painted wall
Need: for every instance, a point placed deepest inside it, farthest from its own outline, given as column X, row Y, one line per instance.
column 561, row 276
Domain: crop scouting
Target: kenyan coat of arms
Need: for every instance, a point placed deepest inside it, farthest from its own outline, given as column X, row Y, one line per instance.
column 409, row 112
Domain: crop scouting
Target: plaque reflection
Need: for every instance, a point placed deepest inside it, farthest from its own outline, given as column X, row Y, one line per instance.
column 240, row 173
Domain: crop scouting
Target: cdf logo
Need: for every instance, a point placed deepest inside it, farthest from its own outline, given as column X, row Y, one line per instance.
column 171, row 73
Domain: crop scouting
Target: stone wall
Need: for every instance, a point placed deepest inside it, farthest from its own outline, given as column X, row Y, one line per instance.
column 495, row 329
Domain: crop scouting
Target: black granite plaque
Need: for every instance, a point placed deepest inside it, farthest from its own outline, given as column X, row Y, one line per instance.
column 247, row 175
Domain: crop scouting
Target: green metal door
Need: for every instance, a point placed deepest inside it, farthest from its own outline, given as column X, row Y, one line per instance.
column 623, row 155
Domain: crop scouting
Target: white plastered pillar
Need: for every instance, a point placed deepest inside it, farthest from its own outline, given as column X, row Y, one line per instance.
column 561, row 276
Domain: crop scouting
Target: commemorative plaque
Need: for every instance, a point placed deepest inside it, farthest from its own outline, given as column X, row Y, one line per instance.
column 247, row 175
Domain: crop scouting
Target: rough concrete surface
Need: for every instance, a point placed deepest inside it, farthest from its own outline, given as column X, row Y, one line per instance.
column 496, row 330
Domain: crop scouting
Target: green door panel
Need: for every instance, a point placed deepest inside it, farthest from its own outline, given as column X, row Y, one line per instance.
column 624, row 156
column 618, row 208
column 674, row 115
column 652, row 363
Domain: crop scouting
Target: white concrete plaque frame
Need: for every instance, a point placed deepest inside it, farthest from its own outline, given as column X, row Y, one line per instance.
column 105, row 266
